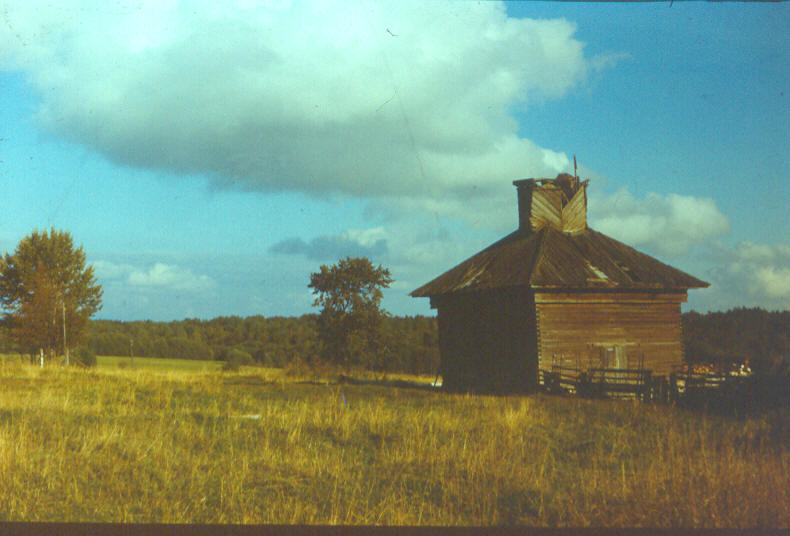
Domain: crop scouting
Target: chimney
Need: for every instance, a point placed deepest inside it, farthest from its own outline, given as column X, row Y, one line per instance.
column 560, row 203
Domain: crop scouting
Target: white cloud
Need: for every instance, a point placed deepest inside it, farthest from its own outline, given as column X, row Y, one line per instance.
column 106, row 270
column 158, row 275
column 747, row 275
column 666, row 224
column 368, row 99
column 762, row 271
column 600, row 62
column 367, row 237
column 171, row 277
column 775, row 282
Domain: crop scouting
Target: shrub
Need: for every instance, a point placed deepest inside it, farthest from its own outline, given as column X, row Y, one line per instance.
column 236, row 358
column 262, row 358
column 84, row 357
column 316, row 369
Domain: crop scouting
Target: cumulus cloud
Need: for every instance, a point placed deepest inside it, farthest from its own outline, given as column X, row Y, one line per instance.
column 762, row 270
column 367, row 99
column 106, row 270
column 159, row 275
column 775, row 282
column 666, row 224
column 746, row 275
column 169, row 276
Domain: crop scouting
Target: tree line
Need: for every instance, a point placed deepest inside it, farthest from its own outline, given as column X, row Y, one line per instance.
column 727, row 339
column 722, row 338
column 412, row 344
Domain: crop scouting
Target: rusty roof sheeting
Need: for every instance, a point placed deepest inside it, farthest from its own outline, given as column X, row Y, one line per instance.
column 548, row 258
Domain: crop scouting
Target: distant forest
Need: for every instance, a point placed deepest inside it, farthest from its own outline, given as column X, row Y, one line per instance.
column 762, row 337
column 410, row 343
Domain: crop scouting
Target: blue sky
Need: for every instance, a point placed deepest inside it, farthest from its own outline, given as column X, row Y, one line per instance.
column 209, row 157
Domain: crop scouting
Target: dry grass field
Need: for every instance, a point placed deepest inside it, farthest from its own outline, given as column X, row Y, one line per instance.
column 158, row 364
column 138, row 445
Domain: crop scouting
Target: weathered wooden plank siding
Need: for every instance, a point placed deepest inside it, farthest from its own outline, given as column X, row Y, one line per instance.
column 546, row 209
column 574, row 333
column 610, row 296
column 574, row 214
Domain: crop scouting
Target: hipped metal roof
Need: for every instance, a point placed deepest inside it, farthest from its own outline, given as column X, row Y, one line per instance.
column 550, row 259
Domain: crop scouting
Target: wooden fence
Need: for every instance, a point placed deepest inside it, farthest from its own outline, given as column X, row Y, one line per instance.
column 560, row 380
column 634, row 383
column 617, row 383
column 598, row 382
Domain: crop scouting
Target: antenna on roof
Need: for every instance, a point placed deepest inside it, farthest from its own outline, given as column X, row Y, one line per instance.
column 575, row 174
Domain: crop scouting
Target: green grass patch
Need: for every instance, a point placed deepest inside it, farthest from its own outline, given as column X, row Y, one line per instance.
column 141, row 363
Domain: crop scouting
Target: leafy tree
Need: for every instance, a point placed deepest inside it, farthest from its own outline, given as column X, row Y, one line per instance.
column 46, row 289
column 350, row 294
column 38, row 324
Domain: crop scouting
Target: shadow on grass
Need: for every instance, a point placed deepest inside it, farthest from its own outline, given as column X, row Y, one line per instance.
column 756, row 395
column 249, row 379
column 401, row 384
column 252, row 380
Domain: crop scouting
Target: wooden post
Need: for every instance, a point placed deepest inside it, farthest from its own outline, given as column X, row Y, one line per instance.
column 673, row 387
column 41, row 358
column 65, row 346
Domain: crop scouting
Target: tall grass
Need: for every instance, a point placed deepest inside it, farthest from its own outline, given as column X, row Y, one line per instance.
column 139, row 446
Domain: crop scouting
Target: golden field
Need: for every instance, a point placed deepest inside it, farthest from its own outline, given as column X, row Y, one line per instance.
column 141, row 445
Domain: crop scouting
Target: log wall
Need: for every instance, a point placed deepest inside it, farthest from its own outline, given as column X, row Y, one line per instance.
column 582, row 330
column 488, row 341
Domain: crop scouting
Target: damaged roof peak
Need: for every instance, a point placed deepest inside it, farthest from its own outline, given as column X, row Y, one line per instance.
column 554, row 249
column 560, row 203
